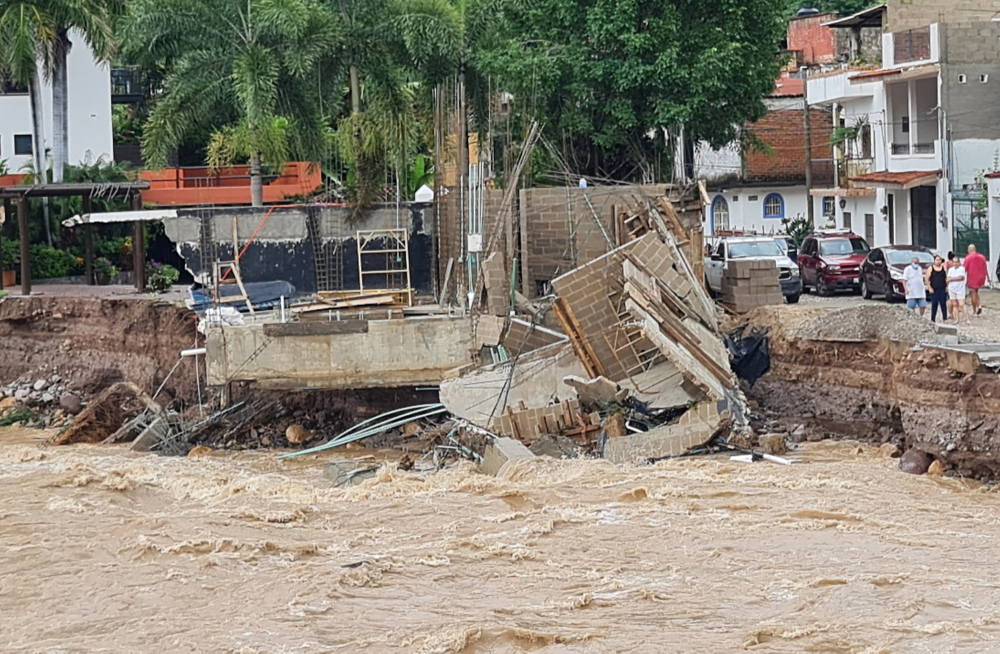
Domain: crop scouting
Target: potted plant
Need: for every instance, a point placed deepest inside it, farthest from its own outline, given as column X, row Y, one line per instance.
column 104, row 271
column 160, row 276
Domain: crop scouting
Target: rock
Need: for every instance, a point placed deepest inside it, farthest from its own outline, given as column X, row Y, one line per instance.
column 41, row 384
column 412, row 429
column 936, row 469
column 888, row 451
column 48, row 398
column 70, row 403
column 798, row 433
column 200, row 450
column 915, row 462
column 297, row 434
column 20, row 394
column 614, row 426
column 7, row 403
column 773, row 444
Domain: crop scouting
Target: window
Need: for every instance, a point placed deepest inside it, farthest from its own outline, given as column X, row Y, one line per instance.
column 774, row 206
column 720, row 214
column 754, row 249
column 847, row 220
column 962, row 79
column 22, row 144
column 842, row 246
column 984, row 79
column 829, row 207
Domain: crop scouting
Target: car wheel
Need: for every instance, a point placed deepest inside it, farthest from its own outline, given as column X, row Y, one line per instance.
column 793, row 299
column 821, row 288
column 856, row 290
column 866, row 292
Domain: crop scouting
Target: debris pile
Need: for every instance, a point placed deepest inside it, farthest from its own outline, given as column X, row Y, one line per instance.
column 868, row 323
column 747, row 285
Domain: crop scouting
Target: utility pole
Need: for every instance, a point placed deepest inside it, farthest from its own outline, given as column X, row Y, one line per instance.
column 810, row 208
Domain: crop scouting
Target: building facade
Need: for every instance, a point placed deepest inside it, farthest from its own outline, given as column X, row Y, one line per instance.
column 919, row 132
column 90, row 127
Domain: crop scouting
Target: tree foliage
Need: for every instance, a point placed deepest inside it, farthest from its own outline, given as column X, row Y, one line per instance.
column 608, row 76
column 842, row 7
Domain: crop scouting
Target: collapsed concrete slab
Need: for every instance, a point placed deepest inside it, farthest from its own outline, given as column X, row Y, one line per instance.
column 501, row 452
column 694, row 428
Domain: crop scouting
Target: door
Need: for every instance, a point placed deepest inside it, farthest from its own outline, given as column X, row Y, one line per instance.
column 891, row 208
column 714, row 267
column 877, row 273
column 923, row 210
column 807, row 261
column 847, row 220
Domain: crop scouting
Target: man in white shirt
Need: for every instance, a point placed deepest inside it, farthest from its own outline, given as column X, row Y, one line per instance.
column 916, row 290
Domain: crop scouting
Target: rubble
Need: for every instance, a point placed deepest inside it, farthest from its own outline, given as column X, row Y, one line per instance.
column 502, row 452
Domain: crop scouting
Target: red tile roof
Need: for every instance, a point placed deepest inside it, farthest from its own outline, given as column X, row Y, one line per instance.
column 905, row 180
column 788, row 87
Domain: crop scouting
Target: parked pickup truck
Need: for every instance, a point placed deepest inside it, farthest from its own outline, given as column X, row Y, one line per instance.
column 752, row 248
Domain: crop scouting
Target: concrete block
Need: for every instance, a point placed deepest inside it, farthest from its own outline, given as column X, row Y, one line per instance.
column 501, row 452
column 670, row 440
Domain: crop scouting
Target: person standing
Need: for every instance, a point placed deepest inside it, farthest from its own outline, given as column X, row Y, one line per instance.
column 975, row 271
column 916, row 287
column 957, row 290
column 937, row 281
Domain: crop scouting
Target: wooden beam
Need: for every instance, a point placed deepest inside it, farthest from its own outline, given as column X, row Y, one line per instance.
column 138, row 248
column 88, row 245
column 22, row 228
column 577, row 339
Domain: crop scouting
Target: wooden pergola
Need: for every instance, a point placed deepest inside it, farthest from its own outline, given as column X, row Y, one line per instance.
column 19, row 195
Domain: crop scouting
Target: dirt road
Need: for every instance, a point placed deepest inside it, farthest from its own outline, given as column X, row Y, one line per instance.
column 107, row 551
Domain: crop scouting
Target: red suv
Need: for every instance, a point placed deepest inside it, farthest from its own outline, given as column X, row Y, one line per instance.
column 832, row 261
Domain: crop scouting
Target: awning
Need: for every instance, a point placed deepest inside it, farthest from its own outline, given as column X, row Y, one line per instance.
column 144, row 216
column 871, row 17
column 895, row 181
column 842, row 192
column 901, row 73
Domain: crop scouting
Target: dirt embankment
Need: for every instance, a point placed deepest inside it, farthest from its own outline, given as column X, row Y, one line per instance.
column 94, row 343
column 883, row 391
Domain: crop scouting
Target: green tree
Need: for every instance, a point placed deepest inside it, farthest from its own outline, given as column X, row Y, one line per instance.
column 242, row 70
column 93, row 21
column 842, row 7
column 27, row 39
column 608, row 77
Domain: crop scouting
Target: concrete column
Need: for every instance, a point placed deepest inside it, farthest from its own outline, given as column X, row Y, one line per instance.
column 7, row 216
column 138, row 248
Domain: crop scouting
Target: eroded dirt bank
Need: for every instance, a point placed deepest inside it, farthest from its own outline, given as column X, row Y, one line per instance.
column 882, row 391
column 94, row 342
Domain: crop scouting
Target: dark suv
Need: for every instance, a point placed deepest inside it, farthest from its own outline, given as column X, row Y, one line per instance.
column 832, row 261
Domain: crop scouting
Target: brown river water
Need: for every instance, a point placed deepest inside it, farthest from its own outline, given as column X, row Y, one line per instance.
column 106, row 551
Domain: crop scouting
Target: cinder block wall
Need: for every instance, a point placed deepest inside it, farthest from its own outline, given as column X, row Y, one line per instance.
column 560, row 231
column 784, row 132
column 905, row 15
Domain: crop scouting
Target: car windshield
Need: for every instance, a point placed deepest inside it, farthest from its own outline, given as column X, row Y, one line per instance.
column 903, row 257
column 846, row 246
column 754, row 249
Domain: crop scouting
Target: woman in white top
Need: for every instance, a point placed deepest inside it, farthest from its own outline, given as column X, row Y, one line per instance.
column 956, row 291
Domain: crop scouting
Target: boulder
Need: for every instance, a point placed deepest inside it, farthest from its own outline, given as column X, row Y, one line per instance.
column 70, row 403
column 915, row 462
column 7, row 403
column 936, row 469
column 40, row 385
column 297, row 434
column 773, row 444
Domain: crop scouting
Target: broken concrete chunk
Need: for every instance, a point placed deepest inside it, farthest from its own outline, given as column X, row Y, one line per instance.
column 600, row 390
column 614, row 426
column 502, row 451
column 489, row 329
column 696, row 427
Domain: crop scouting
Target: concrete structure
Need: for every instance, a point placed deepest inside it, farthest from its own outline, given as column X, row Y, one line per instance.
column 90, row 130
column 694, row 428
column 927, row 128
column 501, row 452
column 340, row 354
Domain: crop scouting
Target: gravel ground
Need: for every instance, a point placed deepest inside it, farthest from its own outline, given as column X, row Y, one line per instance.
column 985, row 327
column 867, row 322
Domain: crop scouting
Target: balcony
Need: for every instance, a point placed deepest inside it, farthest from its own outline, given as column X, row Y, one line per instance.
column 230, row 186
column 918, row 45
column 126, row 85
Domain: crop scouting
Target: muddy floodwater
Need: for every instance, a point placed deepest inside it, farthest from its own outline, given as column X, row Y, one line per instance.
column 105, row 551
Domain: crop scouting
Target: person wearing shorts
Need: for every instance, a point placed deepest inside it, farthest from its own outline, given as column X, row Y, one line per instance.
column 957, row 291
column 975, row 272
column 916, row 287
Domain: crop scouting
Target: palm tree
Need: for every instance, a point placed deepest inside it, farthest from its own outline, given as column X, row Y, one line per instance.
column 240, row 69
column 92, row 19
column 27, row 38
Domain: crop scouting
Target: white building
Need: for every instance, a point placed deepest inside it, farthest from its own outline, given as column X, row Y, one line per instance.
column 926, row 124
column 90, row 130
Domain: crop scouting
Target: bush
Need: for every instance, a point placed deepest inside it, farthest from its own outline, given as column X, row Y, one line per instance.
column 10, row 254
column 48, row 262
column 160, row 276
